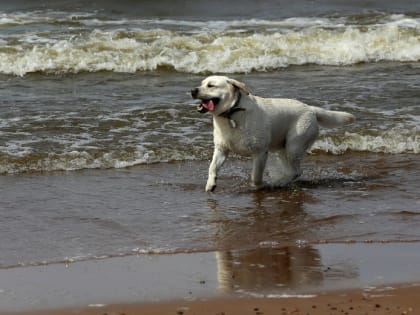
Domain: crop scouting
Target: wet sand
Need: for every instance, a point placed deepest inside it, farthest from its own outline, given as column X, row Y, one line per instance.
column 300, row 280
column 382, row 301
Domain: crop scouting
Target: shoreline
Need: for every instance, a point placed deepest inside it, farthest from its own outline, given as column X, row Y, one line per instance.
column 163, row 283
column 387, row 300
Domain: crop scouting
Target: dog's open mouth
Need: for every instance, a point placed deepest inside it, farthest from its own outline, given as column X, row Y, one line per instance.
column 208, row 105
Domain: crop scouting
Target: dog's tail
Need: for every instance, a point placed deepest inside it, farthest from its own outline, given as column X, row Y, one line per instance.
column 331, row 119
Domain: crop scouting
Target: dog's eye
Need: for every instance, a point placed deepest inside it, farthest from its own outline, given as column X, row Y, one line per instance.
column 210, row 85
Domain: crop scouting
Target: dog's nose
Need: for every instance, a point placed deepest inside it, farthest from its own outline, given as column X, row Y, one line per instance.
column 194, row 92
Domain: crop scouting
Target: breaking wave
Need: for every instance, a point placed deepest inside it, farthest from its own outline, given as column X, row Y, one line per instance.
column 91, row 45
column 395, row 141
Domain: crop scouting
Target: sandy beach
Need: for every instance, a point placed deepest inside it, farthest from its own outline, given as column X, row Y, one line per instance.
column 369, row 278
column 396, row 300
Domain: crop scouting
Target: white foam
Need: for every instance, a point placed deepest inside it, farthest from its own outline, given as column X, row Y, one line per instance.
column 276, row 296
column 228, row 47
column 392, row 141
column 96, row 305
column 83, row 151
column 288, row 296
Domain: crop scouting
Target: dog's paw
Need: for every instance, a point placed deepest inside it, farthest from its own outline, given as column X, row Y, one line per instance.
column 258, row 186
column 211, row 186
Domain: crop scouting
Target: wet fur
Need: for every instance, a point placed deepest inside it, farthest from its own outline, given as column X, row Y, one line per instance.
column 286, row 126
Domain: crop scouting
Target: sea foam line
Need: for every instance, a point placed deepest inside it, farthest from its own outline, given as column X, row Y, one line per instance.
column 15, row 160
column 226, row 50
column 393, row 141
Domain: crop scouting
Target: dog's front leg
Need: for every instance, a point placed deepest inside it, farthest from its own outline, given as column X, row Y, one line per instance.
column 258, row 165
column 219, row 157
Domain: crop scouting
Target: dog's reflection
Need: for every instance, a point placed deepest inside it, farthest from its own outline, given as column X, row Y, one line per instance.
column 267, row 268
column 261, row 250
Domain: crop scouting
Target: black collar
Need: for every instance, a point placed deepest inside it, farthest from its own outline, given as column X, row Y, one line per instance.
column 235, row 108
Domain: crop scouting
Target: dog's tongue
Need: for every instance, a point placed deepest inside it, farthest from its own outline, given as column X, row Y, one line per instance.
column 209, row 105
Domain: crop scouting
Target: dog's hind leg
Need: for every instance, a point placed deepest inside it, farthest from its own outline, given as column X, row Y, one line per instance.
column 258, row 164
column 279, row 169
column 219, row 157
column 299, row 140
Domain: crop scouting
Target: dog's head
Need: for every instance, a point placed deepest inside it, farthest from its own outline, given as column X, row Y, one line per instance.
column 217, row 94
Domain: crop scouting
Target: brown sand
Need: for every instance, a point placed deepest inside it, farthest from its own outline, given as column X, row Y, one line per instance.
column 402, row 300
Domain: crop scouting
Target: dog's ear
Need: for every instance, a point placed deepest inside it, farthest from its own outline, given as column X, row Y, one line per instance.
column 239, row 85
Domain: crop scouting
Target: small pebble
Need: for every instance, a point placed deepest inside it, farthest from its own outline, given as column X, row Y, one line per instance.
column 182, row 310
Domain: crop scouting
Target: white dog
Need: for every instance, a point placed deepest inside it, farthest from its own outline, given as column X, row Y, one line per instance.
column 252, row 126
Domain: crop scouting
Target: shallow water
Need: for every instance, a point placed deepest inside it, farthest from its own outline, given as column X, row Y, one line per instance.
column 108, row 120
column 162, row 208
